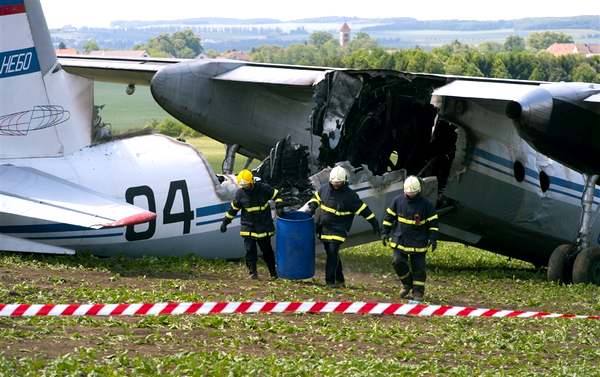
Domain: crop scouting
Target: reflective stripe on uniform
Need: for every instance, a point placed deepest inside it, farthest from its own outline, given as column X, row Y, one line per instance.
column 436, row 229
column 394, row 245
column 404, row 220
column 278, row 200
column 387, row 223
column 337, row 213
column 256, row 235
column 317, row 197
column 229, row 216
column 234, row 207
column 257, row 208
column 371, row 216
column 434, row 217
column 419, row 283
column 404, row 276
column 275, row 192
column 332, row 237
column 389, row 210
column 362, row 208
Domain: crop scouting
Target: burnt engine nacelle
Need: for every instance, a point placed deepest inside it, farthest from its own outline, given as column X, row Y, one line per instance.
column 556, row 121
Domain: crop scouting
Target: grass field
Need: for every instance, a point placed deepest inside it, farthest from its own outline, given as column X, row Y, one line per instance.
column 125, row 112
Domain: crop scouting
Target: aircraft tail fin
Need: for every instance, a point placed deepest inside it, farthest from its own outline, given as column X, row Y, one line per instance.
column 43, row 110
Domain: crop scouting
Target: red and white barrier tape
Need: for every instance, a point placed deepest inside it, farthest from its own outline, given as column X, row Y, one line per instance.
column 201, row 308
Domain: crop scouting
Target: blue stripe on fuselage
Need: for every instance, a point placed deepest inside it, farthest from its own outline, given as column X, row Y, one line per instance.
column 530, row 172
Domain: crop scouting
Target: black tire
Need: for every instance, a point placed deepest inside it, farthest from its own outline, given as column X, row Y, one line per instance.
column 586, row 268
column 559, row 267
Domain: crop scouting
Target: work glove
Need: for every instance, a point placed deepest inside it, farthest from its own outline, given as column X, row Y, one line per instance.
column 223, row 228
column 375, row 226
column 305, row 208
column 433, row 244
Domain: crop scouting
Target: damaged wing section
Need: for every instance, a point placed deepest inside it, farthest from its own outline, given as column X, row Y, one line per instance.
column 381, row 119
column 379, row 125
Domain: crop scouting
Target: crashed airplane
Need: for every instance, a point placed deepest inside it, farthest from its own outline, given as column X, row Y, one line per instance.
column 510, row 161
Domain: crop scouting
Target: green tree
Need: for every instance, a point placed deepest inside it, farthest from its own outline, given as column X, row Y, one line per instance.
column 514, row 43
column 499, row 69
column 90, row 45
column 543, row 40
column 362, row 41
column 492, row 47
column 319, row 38
column 182, row 44
column 585, row 73
column 458, row 65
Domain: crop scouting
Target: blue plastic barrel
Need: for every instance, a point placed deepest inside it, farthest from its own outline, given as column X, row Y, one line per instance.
column 295, row 245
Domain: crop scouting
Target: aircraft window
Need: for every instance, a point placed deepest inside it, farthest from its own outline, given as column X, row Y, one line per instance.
column 544, row 181
column 519, row 171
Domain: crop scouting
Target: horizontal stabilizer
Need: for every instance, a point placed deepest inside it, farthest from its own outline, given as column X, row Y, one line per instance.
column 8, row 243
column 484, row 90
column 31, row 193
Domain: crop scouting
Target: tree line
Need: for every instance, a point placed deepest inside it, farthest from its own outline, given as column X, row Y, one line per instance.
column 516, row 58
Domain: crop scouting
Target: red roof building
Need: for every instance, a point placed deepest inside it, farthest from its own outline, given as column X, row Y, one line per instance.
column 587, row 49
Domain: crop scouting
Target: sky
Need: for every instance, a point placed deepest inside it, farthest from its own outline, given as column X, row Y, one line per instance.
column 101, row 13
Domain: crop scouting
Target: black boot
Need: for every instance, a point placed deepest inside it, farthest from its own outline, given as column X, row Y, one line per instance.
column 252, row 270
column 418, row 294
column 405, row 291
column 273, row 272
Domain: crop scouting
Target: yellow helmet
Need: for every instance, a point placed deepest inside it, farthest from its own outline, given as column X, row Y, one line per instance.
column 245, row 178
column 412, row 185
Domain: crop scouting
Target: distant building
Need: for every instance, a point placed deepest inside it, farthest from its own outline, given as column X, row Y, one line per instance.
column 587, row 49
column 344, row 35
column 235, row 55
column 120, row 53
column 66, row 51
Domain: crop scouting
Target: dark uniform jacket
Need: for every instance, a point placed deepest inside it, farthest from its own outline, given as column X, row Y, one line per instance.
column 256, row 218
column 338, row 208
column 410, row 223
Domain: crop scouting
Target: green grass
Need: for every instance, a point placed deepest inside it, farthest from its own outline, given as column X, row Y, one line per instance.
column 266, row 344
column 125, row 112
column 215, row 151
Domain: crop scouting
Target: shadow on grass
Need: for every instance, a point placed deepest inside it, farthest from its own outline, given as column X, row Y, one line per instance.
column 484, row 266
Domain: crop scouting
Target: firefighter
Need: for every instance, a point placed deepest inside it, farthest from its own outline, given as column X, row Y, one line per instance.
column 410, row 227
column 338, row 204
column 257, row 224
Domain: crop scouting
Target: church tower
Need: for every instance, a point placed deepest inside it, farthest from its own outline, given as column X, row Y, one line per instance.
column 344, row 35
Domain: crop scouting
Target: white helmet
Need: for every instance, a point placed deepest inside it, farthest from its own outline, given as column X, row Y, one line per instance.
column 412, row 185
column 338, row 174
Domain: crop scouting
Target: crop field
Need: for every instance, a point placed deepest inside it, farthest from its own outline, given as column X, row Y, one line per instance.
column 125, row 112
column 289, row 344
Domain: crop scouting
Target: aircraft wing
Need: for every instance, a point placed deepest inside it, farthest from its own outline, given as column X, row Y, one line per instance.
column 117, row 70
column 485, row 90
column 31, row 193
column 140, row 71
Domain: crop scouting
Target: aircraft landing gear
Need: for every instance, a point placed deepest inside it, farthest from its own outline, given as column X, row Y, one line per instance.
column 578, row 263
column 229, row 160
